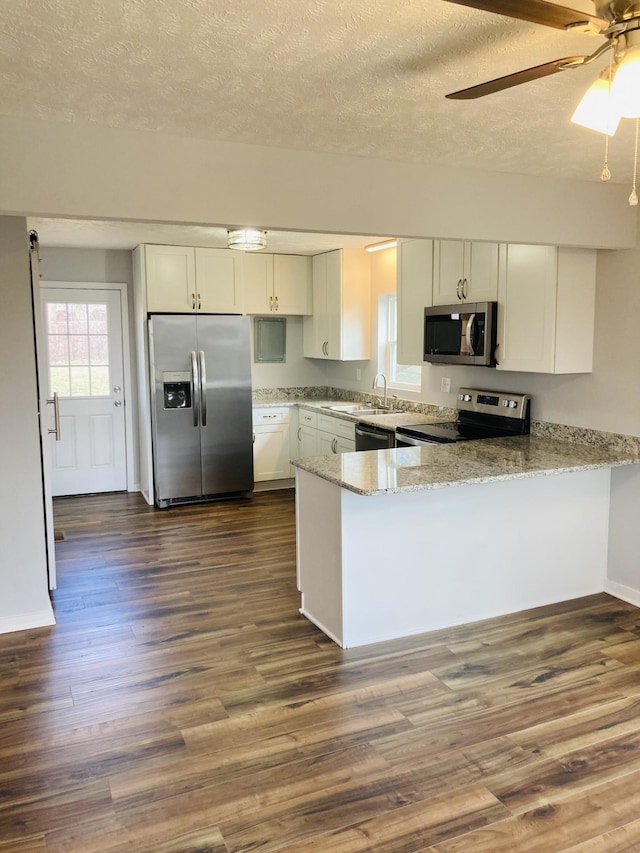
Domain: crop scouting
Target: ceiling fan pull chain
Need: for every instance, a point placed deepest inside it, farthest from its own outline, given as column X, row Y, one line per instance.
column 633, row 198
column 605, row 174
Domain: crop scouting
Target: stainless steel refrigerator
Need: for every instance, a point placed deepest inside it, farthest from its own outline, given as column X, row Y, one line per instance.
column 201, row 406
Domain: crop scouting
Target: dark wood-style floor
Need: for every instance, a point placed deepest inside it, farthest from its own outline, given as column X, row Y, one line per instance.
column 181, row 703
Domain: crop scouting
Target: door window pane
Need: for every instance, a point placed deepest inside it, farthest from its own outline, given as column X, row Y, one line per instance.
column 78, row 349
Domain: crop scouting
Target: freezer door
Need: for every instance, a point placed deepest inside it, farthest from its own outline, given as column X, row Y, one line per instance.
column 175, row 407
column 224, row 361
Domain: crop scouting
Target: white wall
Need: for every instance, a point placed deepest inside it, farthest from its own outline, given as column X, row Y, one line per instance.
column 24, row 598
column 296, row 372
column 70, row 170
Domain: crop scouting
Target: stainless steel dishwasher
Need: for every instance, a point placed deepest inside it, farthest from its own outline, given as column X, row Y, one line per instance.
column 369, row 437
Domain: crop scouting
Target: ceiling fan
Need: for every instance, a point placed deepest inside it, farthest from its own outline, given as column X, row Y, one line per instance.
column 618, row 21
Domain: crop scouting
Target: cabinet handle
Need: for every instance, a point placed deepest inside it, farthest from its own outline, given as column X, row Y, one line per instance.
column 458, row 288
column 334, row 445
column 199, row 302
column 465, row 288
column 271, row 303
column 193, row 302
column 276, row 303
column 299, row 436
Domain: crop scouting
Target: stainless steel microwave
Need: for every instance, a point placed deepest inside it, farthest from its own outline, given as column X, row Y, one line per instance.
column 461, row 334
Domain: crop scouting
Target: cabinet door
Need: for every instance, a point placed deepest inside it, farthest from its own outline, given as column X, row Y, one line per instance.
column 292, row 284
column 316, row 328
column 527, row 309
column 257, row 270
column 448, row 271
column 219, row 281
column 271, row 452
column 308, row 440
column 171, row 279
column 334, row 304
column 480, row 278
column 345, row 445
column 327, row 443
column 414, row 288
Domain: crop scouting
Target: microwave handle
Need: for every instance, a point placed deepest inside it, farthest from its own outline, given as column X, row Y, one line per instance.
column 469, row 334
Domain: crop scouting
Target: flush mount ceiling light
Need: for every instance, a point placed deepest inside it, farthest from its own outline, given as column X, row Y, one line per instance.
column 386, row 244
column 247, row 239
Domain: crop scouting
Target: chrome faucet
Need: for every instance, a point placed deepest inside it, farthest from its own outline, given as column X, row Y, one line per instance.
column 385, row 404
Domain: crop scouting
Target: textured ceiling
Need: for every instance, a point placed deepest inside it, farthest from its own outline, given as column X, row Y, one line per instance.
column 360, row 77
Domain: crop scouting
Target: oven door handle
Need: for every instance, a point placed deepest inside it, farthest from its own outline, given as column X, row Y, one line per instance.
column 471, row 322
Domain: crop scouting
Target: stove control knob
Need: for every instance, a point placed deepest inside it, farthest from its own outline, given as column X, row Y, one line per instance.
column 513, row 404
column 466, row 398
column 460, row 396
column 505, row 402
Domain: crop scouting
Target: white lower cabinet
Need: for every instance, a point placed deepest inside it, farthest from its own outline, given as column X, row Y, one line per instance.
column 335, row 435
column 271, row 443
column 307, row 433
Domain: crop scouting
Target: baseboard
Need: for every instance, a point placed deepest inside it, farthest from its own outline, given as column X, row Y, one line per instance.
column 27, row 621
column 625, row 593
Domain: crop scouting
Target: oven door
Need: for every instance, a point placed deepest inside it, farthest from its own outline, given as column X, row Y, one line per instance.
column 410, row 441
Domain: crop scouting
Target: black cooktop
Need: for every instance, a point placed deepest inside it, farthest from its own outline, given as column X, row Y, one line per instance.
column 449, row 431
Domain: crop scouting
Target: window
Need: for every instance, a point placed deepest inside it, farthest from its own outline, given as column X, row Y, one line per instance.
column 407, row 376
column 78, row 349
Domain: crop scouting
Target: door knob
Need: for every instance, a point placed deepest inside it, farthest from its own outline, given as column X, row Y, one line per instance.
column 117, row 389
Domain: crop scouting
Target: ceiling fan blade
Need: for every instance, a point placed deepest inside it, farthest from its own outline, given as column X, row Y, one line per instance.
column 534, row 11
column 516, row 79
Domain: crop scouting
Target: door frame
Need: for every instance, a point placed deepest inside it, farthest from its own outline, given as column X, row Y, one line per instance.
column 123, row 289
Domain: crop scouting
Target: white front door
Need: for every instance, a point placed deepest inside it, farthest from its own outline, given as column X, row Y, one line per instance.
column 83, row 363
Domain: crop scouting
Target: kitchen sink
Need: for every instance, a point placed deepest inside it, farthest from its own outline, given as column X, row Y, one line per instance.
column 362, row 409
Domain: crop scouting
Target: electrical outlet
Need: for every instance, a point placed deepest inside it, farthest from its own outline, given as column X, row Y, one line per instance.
column 358, row 374
column 445, row 385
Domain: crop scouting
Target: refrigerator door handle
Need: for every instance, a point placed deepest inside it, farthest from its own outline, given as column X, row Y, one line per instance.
column 203, row 388
column 195, row 388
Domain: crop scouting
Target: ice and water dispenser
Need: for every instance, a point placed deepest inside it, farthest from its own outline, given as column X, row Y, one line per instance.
column 177, row 389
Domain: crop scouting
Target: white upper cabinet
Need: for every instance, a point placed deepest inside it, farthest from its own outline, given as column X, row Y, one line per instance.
column 340, row 327
column 414, row 289
column 465, row 272
column 277, row 284
column 292, row 284
column 546, row 309
column 219, row 281
column 170, row 273
column 184, row 280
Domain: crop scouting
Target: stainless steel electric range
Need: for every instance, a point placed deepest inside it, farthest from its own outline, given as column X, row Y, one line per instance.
column 481, row 414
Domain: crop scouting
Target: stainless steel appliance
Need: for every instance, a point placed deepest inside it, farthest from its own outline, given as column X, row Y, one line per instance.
column 461, row 334
column 369, row 437
column 481, row 414
column 201, row 406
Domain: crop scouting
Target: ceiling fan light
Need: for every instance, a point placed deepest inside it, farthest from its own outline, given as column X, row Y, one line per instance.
column 247, row 239
column 598, row 109
column 625, row 89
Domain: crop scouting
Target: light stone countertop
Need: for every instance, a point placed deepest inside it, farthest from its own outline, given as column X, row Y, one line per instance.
column 389, row 421
column 410, row 469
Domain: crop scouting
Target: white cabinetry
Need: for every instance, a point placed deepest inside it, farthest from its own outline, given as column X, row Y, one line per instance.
column 335, row 435
column 271, row 443
column 340, row 327
column 465, row 272
column 307, row 433
column 546, row 309
column 219, row 281
column 277, row 284
column 414, row 289
column 184, row 280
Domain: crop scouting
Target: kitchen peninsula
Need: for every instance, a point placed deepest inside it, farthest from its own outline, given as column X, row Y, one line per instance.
column 392, row 543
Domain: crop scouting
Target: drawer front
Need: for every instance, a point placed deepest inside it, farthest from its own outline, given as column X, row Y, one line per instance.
column 307, row 418
column 345, row 429
column 271, row 415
